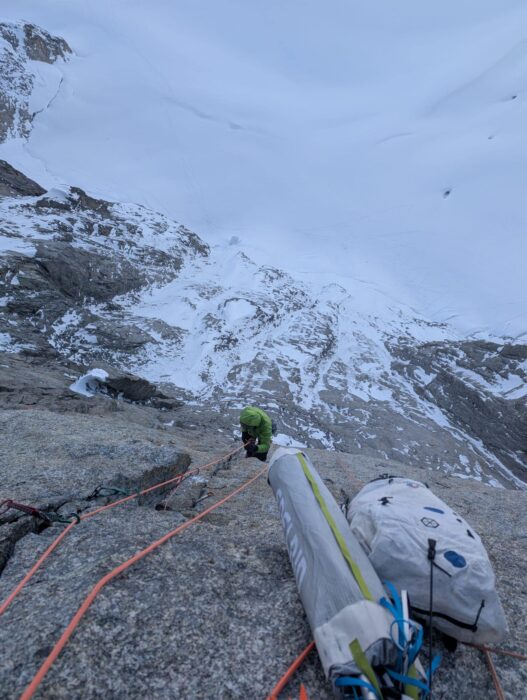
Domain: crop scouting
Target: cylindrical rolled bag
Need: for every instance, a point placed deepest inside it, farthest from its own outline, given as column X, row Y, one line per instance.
column 394, row 518
column 337, row 584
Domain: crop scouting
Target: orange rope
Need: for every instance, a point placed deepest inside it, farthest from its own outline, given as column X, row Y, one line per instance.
column 205, row 466
column 180, row 477
column 284, row 680
column 32, row 687
column 506, row 652
column 7, row 602
column 493, row 650
column 487, row 651
column 495, row 679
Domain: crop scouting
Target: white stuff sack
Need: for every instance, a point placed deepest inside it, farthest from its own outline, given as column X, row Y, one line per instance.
column 335, row 606
column 394, row 518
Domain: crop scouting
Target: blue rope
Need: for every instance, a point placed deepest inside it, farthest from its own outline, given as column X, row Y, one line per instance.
column 416, row 646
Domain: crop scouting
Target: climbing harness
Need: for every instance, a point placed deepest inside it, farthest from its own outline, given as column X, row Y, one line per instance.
column 39, row 676
column 47, row 516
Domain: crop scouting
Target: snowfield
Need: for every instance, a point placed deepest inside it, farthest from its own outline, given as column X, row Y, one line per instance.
column 375, row 145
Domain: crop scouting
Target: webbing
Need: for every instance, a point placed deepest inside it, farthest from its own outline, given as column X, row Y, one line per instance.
column 178, row 478
column 355, row 570
column 74, row 622
column 362, row 663
column 284, row 680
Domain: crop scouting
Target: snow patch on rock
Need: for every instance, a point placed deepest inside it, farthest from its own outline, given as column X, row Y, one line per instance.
column 90, row 384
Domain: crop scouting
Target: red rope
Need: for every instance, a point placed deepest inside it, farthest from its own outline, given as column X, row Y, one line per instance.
column 495, row 678
column 284, row 680
column 504, row 652
column 169, row 496
column 39, row 676
column 180, row 477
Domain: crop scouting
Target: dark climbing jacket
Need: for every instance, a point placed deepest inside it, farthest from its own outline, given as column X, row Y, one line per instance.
column 257, row 424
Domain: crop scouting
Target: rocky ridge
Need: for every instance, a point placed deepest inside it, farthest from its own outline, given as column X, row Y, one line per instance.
column 24, row 48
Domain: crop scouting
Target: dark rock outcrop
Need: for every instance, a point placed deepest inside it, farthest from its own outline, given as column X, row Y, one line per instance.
column 13, row 183
column 87, row 254
column 85, row 275
column 40, row 45
column 45, row 382
column 469, row 382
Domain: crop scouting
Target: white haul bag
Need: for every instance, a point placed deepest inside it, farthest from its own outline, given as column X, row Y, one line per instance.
column 407, row 533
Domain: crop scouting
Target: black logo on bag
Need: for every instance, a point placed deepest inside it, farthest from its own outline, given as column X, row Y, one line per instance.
column 429, row 522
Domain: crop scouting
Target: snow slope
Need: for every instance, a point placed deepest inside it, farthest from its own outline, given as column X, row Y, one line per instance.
column 119, row 286
column 377, row 145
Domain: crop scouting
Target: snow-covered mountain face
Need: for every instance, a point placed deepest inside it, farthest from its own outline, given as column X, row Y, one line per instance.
column 340, row 364
column 28, row 79
column 347, row 141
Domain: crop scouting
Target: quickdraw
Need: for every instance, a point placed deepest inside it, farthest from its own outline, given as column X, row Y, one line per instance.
column 48, row 517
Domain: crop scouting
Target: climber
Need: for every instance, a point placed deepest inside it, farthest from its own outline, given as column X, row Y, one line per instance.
column 257, row 431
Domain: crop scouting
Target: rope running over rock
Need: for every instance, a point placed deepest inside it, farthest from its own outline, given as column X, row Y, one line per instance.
column 174, row 480
column 33, row 686
column 487, row 651
column 284, row 680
